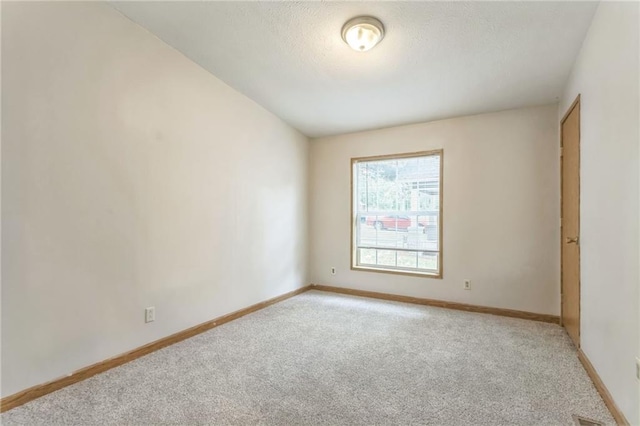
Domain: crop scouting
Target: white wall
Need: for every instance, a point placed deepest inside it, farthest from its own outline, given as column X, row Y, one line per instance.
column 606, row 75
column 131, row 178
column 501, row 208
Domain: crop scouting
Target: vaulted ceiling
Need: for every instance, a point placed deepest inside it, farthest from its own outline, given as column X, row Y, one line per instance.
column 437, row 60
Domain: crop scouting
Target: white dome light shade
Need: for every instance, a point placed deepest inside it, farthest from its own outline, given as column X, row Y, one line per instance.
column 362, row 33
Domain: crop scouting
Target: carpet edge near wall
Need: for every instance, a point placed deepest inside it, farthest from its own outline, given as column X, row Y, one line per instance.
column 553, row 319
column 602, row 389
column 37, row 391
column 29, row 394
column 591, row 371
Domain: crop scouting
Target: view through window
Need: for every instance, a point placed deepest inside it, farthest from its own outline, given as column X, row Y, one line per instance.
column 397, row 213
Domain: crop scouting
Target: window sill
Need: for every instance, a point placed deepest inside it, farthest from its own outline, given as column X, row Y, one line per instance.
column 437, row 275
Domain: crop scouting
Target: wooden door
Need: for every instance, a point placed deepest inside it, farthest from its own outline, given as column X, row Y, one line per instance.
column 570, row 221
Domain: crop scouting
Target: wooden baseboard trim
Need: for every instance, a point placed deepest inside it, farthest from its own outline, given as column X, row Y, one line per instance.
column 22, row 397
column 602, row 389
column 441, row 304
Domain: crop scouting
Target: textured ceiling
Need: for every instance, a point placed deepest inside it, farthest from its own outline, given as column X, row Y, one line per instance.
column 437, row 60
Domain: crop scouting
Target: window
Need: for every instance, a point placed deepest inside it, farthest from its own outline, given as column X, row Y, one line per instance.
column 397, row 213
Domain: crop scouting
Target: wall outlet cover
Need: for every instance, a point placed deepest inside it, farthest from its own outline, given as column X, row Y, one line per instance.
column 150, row 314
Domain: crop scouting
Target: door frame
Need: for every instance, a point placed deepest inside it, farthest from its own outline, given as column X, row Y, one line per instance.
column 574, row 104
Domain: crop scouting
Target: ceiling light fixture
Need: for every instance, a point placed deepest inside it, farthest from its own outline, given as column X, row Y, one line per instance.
column 362, row 33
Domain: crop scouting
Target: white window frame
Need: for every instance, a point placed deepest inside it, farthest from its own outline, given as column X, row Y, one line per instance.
column 354, row 218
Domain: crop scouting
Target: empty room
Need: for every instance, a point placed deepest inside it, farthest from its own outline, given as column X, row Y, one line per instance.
column 320, row 213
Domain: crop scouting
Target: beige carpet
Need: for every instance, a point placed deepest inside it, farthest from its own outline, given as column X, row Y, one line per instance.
column 322, row 358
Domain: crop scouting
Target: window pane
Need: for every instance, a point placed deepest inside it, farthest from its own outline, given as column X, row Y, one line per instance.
column 375, row 231
column 407, row 259
column 386, row 258
column 397, row 212
column 367, row 256
column 428, row 261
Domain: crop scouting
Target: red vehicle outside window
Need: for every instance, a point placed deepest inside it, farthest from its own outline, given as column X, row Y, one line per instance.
column 394, row 222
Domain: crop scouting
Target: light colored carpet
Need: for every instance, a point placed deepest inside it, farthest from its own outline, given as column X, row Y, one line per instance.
column 322, row 358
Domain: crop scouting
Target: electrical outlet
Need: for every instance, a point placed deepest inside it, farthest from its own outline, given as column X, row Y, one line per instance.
column 333, row 271
column 467, row 284
column 150, row 314
column 638, row 368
